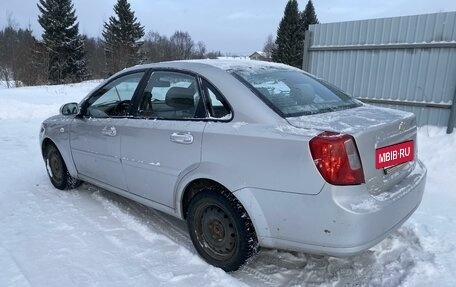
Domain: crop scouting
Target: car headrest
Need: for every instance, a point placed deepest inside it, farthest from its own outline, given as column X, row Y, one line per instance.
column 181, row 98
column 304, row 94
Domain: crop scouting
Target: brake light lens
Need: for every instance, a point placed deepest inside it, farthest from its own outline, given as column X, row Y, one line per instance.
column 337, row 159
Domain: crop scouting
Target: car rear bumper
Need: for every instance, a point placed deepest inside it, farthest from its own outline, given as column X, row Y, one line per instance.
column 338, row 221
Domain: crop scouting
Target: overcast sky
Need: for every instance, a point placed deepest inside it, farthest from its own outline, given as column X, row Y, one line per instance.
column 234, row 26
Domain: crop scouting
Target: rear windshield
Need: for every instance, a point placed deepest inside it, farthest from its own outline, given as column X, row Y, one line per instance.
column 293, row 93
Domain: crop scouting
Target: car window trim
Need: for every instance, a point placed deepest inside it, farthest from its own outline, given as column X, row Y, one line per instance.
column 133, row 100
column 199, row 82
column 203, row 95
column 134, row 112
column 258, row 94
column 207, row 101
column 139, row 93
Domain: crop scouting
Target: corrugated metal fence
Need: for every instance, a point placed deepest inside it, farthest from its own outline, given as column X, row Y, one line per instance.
column 406, row 63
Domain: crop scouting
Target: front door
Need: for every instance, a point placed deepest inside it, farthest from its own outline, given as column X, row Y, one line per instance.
column 95, row 136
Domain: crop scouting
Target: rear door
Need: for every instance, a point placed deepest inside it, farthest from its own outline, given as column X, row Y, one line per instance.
column 95, row 137
column 163, row 142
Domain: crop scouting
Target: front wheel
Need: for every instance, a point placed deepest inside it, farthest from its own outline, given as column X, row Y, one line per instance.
column 220, row 229
column 57, row 170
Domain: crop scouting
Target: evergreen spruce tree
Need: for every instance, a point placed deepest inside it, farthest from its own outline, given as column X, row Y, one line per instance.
column 121, row 35
column 62, row 41
column 290, row 36
column 78, row 60
column 308, row 16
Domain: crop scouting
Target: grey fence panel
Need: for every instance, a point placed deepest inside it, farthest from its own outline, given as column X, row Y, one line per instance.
column 407, row 63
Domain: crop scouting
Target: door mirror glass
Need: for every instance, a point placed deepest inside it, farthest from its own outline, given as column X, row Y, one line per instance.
column 69, row 109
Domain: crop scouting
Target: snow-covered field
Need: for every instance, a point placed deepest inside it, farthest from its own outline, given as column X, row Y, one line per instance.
column 7, row 84
column 90, row 237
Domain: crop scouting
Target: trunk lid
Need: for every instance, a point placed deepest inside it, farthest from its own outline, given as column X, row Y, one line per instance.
column 372, row 128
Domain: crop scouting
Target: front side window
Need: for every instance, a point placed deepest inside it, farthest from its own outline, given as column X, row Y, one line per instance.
column 114, row 99
column 171, row 95
column 293, row 93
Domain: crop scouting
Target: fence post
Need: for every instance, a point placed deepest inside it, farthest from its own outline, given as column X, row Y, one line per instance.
column 305, row 57
column 451, row 120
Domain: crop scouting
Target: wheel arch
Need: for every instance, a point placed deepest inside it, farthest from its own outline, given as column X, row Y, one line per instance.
column 66, row 155
column 194, row 187
column 46, row 142
column 207, row 172
column 244, row 197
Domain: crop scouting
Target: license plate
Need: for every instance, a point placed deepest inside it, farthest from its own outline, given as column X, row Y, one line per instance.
column 394, row 154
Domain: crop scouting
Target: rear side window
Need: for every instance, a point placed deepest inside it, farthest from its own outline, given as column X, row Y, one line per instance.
column 171, row 96
column 216, row 104
column 292, row 93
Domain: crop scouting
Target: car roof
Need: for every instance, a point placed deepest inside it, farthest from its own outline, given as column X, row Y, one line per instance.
column 205, row 65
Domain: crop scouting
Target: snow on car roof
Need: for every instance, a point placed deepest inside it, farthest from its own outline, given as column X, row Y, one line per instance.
column 223, row 64
column 241, row 64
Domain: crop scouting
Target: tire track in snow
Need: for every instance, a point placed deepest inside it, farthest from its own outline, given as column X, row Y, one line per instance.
column 387, row 264
column 149, row 224
column 146, row 215
column 248, row 275
column 16, row 276
column 169, row 227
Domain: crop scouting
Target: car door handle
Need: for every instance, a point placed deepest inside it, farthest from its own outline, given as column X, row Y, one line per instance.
column 111, row 131
column 183, row 138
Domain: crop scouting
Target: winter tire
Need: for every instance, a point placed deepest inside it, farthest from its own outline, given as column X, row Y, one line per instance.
column 57, row 170
column 220, row 229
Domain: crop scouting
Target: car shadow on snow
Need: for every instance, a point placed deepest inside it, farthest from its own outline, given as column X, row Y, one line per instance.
column 389, row 263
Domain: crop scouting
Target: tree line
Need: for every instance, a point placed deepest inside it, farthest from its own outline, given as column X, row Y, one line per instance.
column 18, row 52
column 64, row 55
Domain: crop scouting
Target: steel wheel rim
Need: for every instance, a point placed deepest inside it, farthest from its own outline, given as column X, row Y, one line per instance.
column 216, row 231
column 55, row 166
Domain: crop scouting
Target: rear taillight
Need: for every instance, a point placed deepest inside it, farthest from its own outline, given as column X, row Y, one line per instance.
column 337, row 159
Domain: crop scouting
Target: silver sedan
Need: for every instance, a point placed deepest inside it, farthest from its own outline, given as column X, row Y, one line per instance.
column 250, row 154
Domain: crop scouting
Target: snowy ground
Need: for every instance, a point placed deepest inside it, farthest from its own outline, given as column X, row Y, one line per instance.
column 7, row 84
column 89, row 237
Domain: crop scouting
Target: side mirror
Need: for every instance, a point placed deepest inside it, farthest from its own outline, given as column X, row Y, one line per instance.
column 69, row 109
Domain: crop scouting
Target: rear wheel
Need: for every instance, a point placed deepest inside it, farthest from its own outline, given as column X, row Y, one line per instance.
column 57, row 170
column 220, row 229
